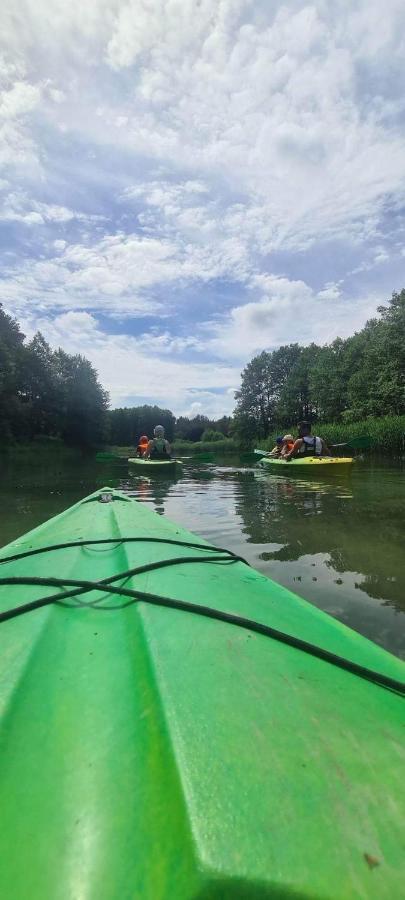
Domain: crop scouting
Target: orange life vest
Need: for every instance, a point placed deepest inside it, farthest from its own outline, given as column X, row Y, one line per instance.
column 142, row 447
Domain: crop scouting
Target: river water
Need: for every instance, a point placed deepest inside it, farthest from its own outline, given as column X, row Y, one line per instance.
column 336, row 540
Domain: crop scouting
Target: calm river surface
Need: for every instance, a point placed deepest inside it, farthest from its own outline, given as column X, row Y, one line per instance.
column 336, row 540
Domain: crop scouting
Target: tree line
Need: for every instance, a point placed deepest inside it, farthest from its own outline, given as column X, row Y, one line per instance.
column 128, row 423
column 47, row 392
column 345, row 381
column 50, row 393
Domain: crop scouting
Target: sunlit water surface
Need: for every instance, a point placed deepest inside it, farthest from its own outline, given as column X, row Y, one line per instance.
column 337, row 541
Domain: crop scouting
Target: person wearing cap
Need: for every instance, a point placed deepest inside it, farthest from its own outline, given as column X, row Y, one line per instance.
column 142, row 445
column 307, row 444
column 158, row 447
column 276, row 451
column 286, row 444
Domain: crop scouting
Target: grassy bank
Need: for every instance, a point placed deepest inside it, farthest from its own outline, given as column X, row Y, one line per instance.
column 183, row 447
column 386, row 433
column 226, row 446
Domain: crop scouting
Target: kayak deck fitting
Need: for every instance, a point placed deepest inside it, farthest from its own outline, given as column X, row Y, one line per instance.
column 148, row 751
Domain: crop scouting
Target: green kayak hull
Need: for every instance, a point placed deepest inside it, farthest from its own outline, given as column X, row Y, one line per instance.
column 149, row 752
column 312, row 464
column 155, row 465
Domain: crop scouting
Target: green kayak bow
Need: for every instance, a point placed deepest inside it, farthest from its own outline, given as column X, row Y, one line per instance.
column 175, row 725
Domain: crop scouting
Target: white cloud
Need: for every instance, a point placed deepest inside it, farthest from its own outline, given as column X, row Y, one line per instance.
column 56, row 95
column 236, row 131
column 270, row 99
column 330, row 292
column 289, row 312
column 21, row 98
column 116, row 273
column 74, row 324
column 264, row 97
column 133, row 367
column 18, row 207
column 18, row 101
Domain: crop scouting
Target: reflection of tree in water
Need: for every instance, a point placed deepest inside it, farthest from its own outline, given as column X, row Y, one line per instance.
column 279, row 510
column 359, row 533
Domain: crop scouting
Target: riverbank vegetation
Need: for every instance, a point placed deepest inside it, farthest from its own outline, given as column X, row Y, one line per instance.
column 47, row 393
column 358, row 384
column 221, row 445
column 387, row 434
column 127, row 424
column 348, row 388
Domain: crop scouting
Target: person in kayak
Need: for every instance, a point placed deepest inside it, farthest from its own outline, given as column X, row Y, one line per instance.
column 276, row 451
column 307, row 444
column 142, row 445
column 287, row 444
column 158, row 447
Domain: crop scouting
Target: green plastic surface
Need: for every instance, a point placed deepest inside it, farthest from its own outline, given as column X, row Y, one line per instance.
column 151, row 753
column 327, row 463
column 156, row 465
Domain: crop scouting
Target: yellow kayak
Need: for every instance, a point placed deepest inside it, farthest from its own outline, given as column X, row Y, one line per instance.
column 307, row 463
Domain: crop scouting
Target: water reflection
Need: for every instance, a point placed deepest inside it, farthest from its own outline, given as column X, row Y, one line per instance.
column 149, row 489
column 336, row 541
column 338, row 544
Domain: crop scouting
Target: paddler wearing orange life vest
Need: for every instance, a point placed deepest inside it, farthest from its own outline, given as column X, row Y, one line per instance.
column 287, row 444
column 307, row 444
column 142, row 445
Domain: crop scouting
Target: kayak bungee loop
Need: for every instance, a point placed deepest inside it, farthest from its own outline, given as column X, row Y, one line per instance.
column 106, row 586
column 86, row 585
column 123, row 540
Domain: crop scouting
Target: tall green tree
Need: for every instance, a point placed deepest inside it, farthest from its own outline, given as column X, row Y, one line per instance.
column 346, row 380
column 295, row 400
column 328, row 380
column 12, row 355
column 265, row 397
column 38, row 388
column 191, row 429
column 127, row 424
column 47, row 393
column 82, row 401
column 255, row 406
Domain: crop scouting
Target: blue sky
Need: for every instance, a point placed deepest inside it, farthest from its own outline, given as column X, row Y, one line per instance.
column 185, row 183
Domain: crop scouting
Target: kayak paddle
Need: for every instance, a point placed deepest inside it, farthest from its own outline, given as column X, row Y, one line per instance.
column 360, row 443
column 199, row 457
column 110, row 457
column 250, row 456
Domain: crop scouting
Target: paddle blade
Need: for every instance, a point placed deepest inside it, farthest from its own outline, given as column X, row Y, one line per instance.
column 248, row 457
column 199, row 457
column 364, row 442
column 109, row 457
column 361, row 443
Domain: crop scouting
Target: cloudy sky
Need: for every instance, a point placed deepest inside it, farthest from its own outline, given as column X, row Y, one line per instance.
column 187, row 182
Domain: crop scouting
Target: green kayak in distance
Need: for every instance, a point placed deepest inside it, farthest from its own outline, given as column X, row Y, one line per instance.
column 307, row 464
column 155, row 465
column 152, row 752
